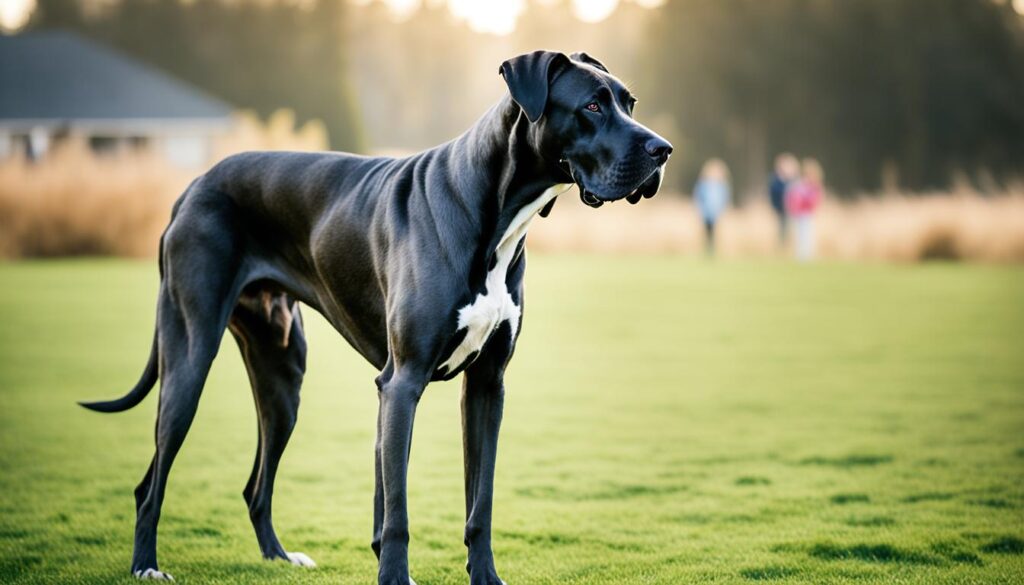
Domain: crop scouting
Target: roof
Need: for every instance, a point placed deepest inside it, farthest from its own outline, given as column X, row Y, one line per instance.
column 56, row 76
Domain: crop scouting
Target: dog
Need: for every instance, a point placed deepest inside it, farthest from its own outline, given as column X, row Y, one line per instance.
column 417, row 262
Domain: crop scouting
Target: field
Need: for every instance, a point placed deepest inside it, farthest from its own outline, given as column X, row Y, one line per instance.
column 668, row 420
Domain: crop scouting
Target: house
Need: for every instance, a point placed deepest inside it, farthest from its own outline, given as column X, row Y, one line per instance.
column 55, row 85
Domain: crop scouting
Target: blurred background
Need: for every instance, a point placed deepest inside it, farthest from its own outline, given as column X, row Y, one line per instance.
column 800, row 362
column 911, row 108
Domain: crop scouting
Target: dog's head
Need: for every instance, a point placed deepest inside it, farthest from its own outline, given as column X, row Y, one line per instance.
column 581, row 121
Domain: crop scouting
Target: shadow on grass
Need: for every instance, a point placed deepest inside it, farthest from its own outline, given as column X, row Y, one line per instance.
column 608, row 492
column 849, row 461
column 871, row 553
column 997, row 503
column 928, row 497
column 13, row 567
column 769, row 573
column 843, row 499
column 870, row 521
column 13, row 533
column 752, row 480
column 88, row 540
column 1007, row 545
column 957, row 552
column 535, row 539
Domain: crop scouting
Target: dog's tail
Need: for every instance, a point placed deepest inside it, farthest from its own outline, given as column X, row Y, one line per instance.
column 135, row 396
column 152, row 371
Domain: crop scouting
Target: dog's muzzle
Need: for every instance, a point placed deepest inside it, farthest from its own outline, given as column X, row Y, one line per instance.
column 647, row 189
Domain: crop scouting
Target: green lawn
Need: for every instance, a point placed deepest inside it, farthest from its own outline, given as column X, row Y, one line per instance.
column 667, row 421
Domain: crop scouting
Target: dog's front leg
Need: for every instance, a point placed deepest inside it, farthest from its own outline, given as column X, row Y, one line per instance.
column 483, row 398
column 398, row 399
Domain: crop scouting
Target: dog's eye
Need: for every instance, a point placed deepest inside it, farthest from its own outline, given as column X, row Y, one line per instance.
column 593, row 107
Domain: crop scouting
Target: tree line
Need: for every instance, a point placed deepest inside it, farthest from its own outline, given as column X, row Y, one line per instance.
column 915, row 90
column 258, row 55
column 905, row 92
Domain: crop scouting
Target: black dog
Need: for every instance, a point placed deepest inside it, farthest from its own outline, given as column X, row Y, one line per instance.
column 417, row 262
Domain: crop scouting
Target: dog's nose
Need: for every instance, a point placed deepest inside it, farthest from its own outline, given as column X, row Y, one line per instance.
column 658, row 148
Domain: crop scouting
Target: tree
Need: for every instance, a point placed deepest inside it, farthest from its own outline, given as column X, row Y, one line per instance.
column 255, row 54
column 928, row 87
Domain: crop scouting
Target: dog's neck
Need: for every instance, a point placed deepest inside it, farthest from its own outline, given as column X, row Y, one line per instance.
column 507, row 173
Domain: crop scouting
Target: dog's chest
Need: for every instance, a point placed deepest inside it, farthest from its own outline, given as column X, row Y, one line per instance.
column 481, row 318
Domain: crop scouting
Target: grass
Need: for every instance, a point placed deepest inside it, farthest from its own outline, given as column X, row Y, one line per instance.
column 667, row 421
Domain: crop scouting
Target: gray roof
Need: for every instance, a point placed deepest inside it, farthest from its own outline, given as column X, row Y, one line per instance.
column 61, row 77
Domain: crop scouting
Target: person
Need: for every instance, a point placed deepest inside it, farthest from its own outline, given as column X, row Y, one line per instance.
column 802, row 199
column 712, row 194
column 787, row 169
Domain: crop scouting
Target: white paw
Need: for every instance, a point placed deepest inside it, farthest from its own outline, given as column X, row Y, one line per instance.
column 300, row 559
column 411, row 582
column 153, row 574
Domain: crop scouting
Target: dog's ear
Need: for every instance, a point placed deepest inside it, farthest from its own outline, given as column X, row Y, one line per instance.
column 585, row 58
column 528, row 77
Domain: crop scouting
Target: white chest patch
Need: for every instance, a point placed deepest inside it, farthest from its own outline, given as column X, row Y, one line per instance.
column 494, row 306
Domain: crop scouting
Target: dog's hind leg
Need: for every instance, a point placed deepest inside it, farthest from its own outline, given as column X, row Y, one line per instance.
column 196, row 295
column 185, row 361
column 269, row 332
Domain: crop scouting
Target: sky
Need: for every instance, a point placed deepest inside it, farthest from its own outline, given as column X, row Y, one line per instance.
column 14, row 14
column 497, row 17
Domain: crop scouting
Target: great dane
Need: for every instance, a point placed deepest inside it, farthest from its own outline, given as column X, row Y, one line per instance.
column 418, row 262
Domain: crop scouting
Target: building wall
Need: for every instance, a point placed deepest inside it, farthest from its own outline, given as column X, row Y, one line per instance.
column 186, row 148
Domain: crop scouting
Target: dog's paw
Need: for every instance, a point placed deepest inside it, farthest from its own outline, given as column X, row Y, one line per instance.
column 300, row 559
column 484, row 575
column 153, row 574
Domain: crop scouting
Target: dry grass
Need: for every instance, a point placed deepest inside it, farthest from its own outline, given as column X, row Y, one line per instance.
column 278, row 133
column 894, row 227
column 73, row 203
column 958, row 226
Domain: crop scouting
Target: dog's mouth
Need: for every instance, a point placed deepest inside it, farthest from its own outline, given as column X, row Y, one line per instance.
column 646, row 189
